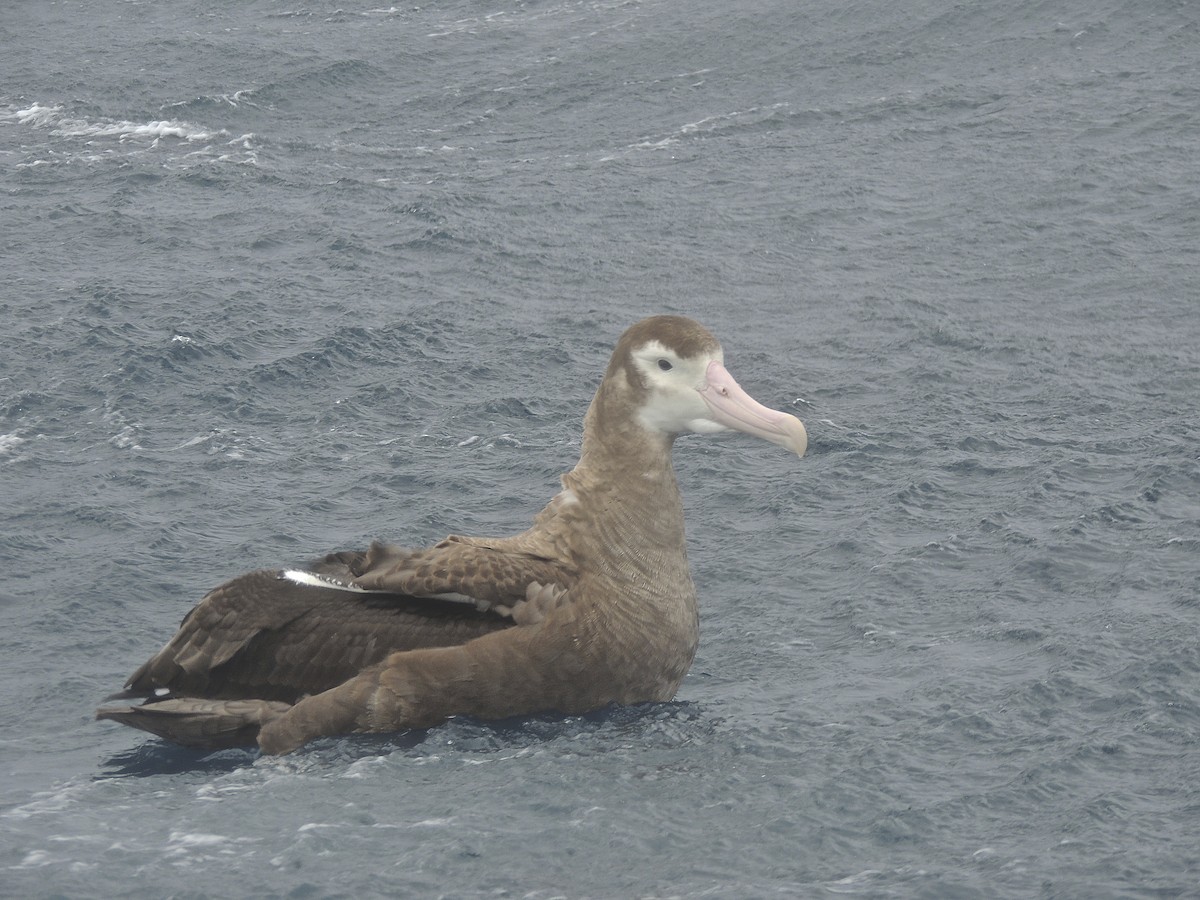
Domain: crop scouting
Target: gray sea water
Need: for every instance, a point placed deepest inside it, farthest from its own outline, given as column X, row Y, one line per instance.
column 281, row 278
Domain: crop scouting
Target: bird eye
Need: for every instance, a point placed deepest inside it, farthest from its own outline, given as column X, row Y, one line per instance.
column 665, row 365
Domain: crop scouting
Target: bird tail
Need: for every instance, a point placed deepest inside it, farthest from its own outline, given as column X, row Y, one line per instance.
column 196, row 722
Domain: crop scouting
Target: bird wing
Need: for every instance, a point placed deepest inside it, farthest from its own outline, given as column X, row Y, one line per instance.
column 276, row 635
column 494, row 574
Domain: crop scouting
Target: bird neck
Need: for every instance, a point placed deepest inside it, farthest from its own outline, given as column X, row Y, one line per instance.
column 625, row 474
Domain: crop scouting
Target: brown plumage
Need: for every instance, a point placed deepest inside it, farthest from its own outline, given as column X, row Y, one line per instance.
column 592, row 605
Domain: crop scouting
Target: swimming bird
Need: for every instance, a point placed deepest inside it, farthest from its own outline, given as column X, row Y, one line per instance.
column 592, row 605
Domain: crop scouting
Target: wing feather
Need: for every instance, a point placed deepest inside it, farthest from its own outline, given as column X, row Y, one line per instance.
column 490, row 573
column 264, row 636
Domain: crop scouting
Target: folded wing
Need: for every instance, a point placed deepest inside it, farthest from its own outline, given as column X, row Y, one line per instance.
column 267, row 636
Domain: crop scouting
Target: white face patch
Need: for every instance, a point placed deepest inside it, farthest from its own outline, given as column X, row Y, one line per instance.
column 674, row 404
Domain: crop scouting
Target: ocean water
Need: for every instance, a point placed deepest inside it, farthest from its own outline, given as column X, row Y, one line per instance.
column 283, row 278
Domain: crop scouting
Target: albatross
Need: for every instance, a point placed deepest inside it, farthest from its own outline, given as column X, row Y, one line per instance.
column 592, row 605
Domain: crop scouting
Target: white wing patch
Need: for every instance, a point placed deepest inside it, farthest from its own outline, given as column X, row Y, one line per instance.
column 453, row 597
column 312, row 579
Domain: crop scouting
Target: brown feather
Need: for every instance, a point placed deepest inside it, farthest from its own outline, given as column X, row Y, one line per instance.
column 263, row 636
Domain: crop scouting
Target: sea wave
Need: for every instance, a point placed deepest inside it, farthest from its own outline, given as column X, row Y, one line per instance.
column 99, row 134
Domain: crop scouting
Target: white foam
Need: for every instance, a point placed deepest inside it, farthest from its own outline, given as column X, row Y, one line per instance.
column 194, row 441
column 655, row 145
column 195, row 839
column 126, row 438
column 233, row 99
column 36, row 115
column 54, row 118
column 35, row 859
column 55, row 801
column 144, row 135
column 444, row 822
